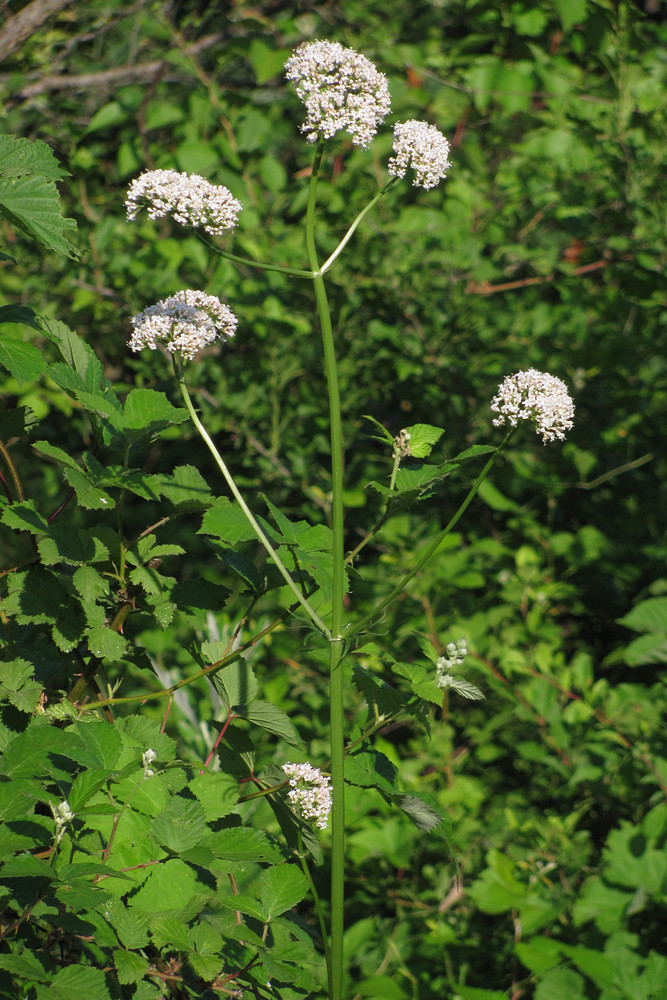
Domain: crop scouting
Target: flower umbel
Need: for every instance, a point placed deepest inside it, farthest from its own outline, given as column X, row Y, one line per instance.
column 310, row 793
column 341, row 89
column 422, row 147
column 536, row 396
column 191, row 199
column 187, row 322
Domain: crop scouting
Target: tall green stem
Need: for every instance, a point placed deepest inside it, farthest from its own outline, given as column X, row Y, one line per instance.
column 337, row 728
column 312, row 614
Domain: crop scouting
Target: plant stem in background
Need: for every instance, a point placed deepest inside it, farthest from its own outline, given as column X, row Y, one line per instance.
column 337, row 733
column 433, row 548
column 312, row 614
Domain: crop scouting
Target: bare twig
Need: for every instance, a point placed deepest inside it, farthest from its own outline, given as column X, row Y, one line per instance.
column 116, row 76
column 23, row 24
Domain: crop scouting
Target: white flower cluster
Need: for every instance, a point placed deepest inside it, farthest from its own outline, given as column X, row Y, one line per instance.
column 191, row 199
column 422, row 147
column 147, row 759
column 63, row 815
column 310, row 793
column 185, row 322
column 341, row 89
column 536, row 396
column 456, row 653
column 445, row 677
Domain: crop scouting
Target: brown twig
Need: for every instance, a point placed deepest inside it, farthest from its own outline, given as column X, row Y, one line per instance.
column 23, row 24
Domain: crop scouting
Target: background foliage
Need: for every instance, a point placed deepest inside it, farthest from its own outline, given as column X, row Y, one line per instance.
column 544, row 248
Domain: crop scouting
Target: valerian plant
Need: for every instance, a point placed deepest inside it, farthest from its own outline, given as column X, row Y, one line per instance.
column 128, row 871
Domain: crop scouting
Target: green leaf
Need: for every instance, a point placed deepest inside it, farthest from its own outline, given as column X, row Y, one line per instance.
column 425, row 816
column 168, row 887
column 24, row 361
column 381, row 987
column 242, row 844
column 106, row 643
column 186, row 488
column 180, row 826
column 29, row 198
column 217, row 793
column 370, row 769
column 647, row 616
column 422, row 439
column 494, row 499
column 88, row 494
column 271, row 718
column 561, row 982
column 236, row 684
column 75, row 982
column 130, row 967
column 26, row 156
column 23, row 517
column 280, row 888
column 98, row 743
column 147, row 410
column 572, row 12
column 227, row 522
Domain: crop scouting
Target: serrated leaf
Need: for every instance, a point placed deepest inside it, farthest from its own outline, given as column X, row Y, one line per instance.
column 370, row 769
column 647, row 616
column 20, row 156
column 280, row 888
column 217, row 792
column 90, row 584
column 227, row 522
column 57, row 454
column 146, row 410
column 236, row 684
column 168, row 887
column 32, row 205
column 106, row 643
column 23, row 517
column 384, row 436
column 75, row 982
column 24, row 361
column 242, row 844
column 98, row 743
column 130, row 967
column 185, row 487
column 180, row 826
column 88, row 494
column 423, row 815
column 422, row 439
column 271, row 718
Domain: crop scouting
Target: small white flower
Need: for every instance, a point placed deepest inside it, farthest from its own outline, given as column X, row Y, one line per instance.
column 147, row 758
column 62, row 815
column 187, row 322
column 310, row 793
column 536, row 396
column 341, row 89
column 191, row 199
column 456, row 653
column 422, row 147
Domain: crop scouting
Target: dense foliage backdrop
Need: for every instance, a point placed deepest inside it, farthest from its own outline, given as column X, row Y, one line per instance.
column 544, row 248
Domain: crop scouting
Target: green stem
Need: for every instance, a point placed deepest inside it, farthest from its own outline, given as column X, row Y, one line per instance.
column 433, row 548
column 337, row 728
column 318, row 905
column 212, row 248
column 312, row 614
column 348, row 235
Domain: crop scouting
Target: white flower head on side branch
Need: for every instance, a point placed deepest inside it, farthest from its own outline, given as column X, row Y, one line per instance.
column 341, row 89
column 422, row 147
column 309, row 794
column 185, row 322
column 536, row 396
column 191, row 199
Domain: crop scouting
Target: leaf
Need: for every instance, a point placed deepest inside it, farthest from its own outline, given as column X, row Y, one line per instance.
column 88, row 494
column 271, row 718
column 75, row 982
column 24, row 361
column 23, row 517
column 280, row 888
column 130, row 967
column 236, row 684
column 242, row 844
column 186, row 488
column 227, row 522
column 422, row 439
column 425, row 816
column 168, row 887
column 647, row 616
column 147, row 410
column 98, row 743
column 31, row 204
column 180, row 826
column 370, row 769
column 561, row 982
column 217, row 793
column 384, row 435
column 20, row 156
column 106, row 643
